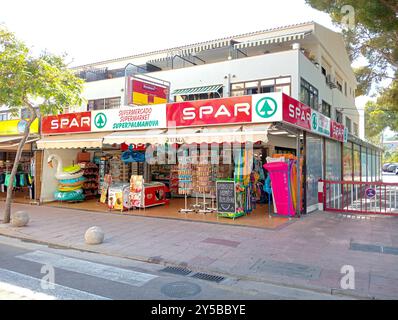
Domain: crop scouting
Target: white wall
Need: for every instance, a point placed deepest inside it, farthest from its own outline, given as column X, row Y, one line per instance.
column 49, row 182
column 245, row 69
column 334, row 97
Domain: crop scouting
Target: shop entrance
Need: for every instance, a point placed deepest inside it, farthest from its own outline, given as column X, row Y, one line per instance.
column 24, row 186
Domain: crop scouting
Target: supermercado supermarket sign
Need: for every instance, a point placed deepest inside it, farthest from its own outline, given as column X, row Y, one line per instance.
column 136, row 118
column 132, row 118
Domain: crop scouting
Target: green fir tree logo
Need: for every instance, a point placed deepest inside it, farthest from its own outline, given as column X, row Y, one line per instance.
column 266, row 107
column 100, row 120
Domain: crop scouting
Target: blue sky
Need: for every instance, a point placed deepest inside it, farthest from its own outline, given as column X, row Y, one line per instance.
column 91, row 31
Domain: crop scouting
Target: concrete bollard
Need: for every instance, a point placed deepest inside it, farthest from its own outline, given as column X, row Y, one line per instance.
column 19, row 219
column 94, row 235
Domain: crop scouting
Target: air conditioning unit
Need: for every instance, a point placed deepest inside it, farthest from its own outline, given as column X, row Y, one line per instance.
column 331, row 82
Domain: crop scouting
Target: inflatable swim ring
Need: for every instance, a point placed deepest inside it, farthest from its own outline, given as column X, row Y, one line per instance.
column 69, row 196
column 72, row 181
column 72, row 169
column 68, row 188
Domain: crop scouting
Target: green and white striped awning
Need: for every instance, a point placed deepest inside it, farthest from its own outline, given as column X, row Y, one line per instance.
column 197, row 90
column 280, row 39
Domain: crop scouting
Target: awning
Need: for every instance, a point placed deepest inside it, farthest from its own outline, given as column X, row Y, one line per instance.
column 215, row 134
column 198, row 90
column 72, row 141
column 135, row 137
column 270, row 40
column 12, row 143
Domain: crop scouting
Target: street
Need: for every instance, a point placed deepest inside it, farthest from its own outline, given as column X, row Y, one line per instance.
column 24, row 267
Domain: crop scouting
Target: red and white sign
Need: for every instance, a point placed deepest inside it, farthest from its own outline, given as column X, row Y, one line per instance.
column 145, row 93
column 336, row 131
column 296, row 112
column 208, row 112
column 67, row 123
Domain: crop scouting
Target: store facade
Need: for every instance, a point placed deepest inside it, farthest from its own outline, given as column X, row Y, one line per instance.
column 26, row 182
column 155, row 142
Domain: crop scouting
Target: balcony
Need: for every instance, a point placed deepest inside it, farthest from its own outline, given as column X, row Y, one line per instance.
column 96, row 74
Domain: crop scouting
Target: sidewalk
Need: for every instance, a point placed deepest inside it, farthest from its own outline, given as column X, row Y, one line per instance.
column 308, row 253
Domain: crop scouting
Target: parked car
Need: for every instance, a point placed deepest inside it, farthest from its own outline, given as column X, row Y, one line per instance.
column 396, row 171
column 385, row 166
column 392, row 167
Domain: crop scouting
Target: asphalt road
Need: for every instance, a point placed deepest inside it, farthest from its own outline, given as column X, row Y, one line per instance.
column 32, row 271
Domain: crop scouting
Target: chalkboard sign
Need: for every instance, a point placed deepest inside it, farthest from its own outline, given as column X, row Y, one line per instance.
column 225, row 191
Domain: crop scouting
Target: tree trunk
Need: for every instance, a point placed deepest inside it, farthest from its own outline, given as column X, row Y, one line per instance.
column 7, row 213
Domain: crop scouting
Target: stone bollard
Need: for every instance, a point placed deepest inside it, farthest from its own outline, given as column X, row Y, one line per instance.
column 19, row 219
column 94, row 235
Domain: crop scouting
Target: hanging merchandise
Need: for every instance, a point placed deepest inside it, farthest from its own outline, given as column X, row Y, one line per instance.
column 91, row 174
column 133, row 156
column 280, row 173
column 70, row 184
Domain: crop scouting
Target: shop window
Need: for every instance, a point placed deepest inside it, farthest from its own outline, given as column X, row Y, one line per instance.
column 339, row 116
column 314, row 167
column 348, row 161
column 356, row 129
column 364, row 168
column 369, row 164
column 333, row 160
column 102, row 104
column 309, row 94
column 281, row 84
column 357, row 163
column 3, row 116
column 283, row 88
column 326, row 109
column 267, row 89
column 348, row 124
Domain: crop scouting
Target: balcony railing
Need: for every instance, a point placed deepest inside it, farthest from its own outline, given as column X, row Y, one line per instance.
column 104, row 73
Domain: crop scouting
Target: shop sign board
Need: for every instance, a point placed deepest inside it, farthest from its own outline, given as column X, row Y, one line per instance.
column 226, row 196
column 130, row 118
column 67, row 123
column 320, row 124
column 210, row 112
column 337, row 131
column 17, row 127
column 296, row 113
column 145, row 93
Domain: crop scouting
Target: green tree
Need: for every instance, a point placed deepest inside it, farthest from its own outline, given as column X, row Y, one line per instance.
column 375, row 37
column 29, row 81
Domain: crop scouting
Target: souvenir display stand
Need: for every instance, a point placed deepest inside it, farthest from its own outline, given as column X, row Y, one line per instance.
column 185, row 182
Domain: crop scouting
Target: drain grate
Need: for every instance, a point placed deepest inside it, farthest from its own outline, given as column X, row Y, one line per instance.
column 208, row 277
column 177, row 270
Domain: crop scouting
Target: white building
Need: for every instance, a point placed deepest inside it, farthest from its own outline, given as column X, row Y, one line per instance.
column 307, row 61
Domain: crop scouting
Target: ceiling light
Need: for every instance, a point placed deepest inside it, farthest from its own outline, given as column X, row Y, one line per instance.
column 291, row 135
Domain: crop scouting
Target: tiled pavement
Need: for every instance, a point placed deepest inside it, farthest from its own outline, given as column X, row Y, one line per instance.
column 306, row 253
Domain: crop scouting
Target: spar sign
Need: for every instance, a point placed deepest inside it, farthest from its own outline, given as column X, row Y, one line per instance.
column 243, row 109
column 129, row 118
column 66, row 123
column 320, row 123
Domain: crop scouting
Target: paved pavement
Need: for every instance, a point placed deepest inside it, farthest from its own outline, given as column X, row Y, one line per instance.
column 308, row 253
column 33, row 271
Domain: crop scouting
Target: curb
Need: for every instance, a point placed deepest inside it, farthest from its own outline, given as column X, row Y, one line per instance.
column 331, row 291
